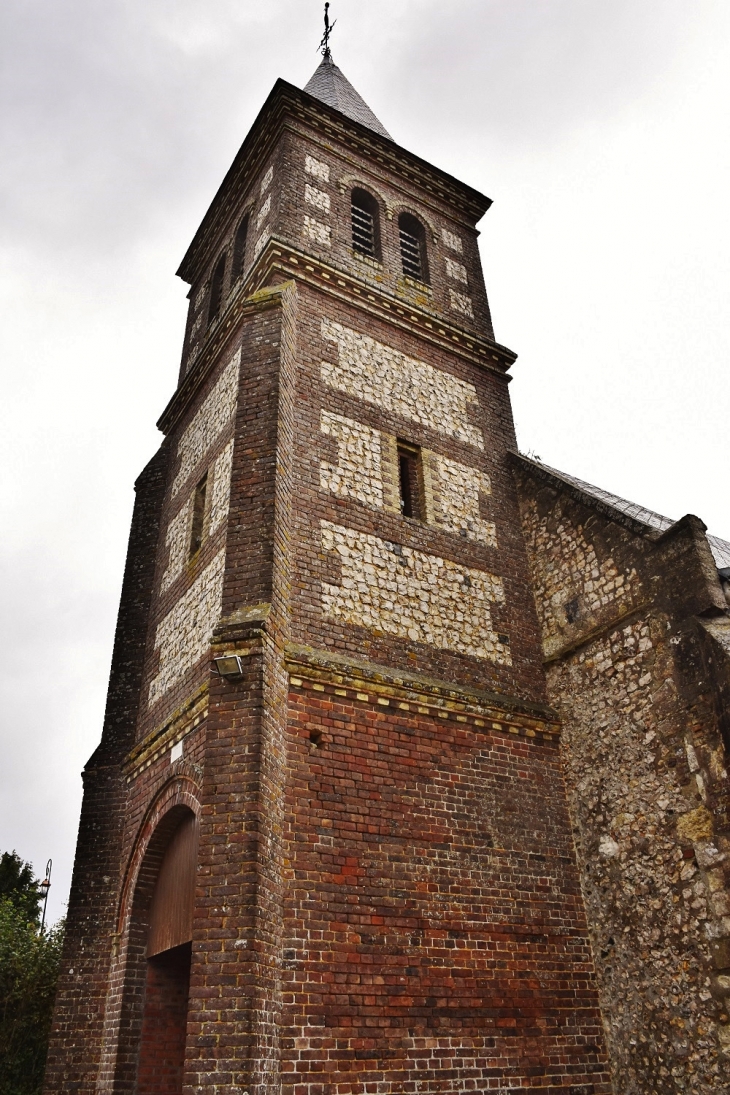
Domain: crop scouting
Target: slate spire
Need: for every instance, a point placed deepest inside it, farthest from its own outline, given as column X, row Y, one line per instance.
column 332, row 87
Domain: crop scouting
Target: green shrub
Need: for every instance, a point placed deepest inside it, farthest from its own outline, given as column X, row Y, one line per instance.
column 29, row 963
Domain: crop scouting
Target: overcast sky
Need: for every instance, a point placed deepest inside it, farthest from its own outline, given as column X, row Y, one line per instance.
column 599, row 128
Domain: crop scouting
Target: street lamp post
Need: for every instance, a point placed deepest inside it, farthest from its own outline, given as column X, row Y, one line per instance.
column 45, row 887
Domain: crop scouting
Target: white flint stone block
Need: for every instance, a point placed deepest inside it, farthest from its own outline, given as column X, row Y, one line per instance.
column 266, row 181
column 183, row 636
column 221, row 489
column 263, row 213
column 318, row 169
column 317, row 198
column 413, row 595
column 456, row 271
column 387, row 378
column 608, row 847
column 178, row 542
column 208, row 423
column 461, row 303
column 452, row 240
column 319, row 233
column 358, row 472
column 456, row 505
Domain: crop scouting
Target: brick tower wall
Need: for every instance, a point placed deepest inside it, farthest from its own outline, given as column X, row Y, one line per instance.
column 379, row 794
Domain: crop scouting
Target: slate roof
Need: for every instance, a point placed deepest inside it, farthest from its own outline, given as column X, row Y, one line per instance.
column 720, row 548
column 332, row 87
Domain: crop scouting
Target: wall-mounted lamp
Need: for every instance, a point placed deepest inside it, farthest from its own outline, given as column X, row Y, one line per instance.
column 229, row 666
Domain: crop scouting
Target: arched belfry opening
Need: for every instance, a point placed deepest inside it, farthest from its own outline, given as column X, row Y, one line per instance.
column 157, row 983
column 365, row 224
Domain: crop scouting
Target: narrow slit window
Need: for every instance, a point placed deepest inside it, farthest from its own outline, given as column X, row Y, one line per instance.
column 413, row 247
column 196, row 534
column 410, row 479
column 365, row 224
column 239, row 249
column 216, row 289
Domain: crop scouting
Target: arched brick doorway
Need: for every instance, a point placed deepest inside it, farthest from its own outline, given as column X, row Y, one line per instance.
column 167, row 985
column 151, row 1048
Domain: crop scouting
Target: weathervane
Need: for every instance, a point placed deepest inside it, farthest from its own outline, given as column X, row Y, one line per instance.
column 324, row 45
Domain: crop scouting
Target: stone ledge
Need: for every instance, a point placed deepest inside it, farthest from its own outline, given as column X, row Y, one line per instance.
column 280, row 255
column 246, row 625
column 621, row 619
column 181, row 723
column 365, row 682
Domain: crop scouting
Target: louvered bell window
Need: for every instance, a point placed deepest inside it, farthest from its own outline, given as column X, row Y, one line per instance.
column 363, row 231
column 365, row 224
column 413, row 247
column 410, row 249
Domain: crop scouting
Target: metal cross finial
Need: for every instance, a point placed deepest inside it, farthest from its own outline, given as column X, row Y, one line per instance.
column 324, row 45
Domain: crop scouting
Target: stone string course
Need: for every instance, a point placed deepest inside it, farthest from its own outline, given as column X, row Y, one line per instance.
column 208, row 423
column 387, row 378
column 183, row 636
column 400, row 698
column 159, row 743
column 413, row 595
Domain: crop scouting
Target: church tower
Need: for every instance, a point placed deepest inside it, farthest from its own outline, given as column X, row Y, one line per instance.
column 325, row 847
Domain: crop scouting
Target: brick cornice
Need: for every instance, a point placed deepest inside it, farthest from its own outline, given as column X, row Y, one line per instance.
column 281, row 257
column 443, row 699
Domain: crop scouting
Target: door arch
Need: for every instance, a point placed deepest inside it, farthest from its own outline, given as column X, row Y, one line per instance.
column 151, row 1048
column 169, row 952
